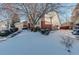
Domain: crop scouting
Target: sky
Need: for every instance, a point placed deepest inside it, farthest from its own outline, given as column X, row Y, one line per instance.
column 67, row 13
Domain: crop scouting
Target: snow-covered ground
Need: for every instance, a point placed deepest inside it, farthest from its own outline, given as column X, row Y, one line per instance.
column 34, row 43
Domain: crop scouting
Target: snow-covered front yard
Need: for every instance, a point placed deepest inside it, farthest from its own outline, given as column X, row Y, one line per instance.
column 34, row 43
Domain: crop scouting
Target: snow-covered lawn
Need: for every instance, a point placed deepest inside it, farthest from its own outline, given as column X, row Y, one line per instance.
column 34, row 43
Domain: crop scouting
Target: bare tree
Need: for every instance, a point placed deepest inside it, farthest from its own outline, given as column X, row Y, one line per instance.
column 10, row 14
column 66, row 12
column 35, row 11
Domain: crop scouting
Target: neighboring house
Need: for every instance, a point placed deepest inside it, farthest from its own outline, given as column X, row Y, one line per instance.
column 6, row 25
column 3, row 25
column 19, row 25
column 66, row 25
column 50, row 20
column 75, row 15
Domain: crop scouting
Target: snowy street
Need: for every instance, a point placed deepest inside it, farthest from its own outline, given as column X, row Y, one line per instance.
column 36, row 44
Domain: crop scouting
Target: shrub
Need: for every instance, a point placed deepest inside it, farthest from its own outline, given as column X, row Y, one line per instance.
column 5, row 33
column 12, row 30
column 24, row 28
column 37, row 29
column 8, row 32
column 45, row 31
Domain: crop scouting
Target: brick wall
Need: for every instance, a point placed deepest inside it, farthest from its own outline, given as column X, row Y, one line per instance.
column 45, row 26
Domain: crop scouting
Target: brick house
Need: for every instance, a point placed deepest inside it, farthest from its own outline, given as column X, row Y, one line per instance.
column 50, row 21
